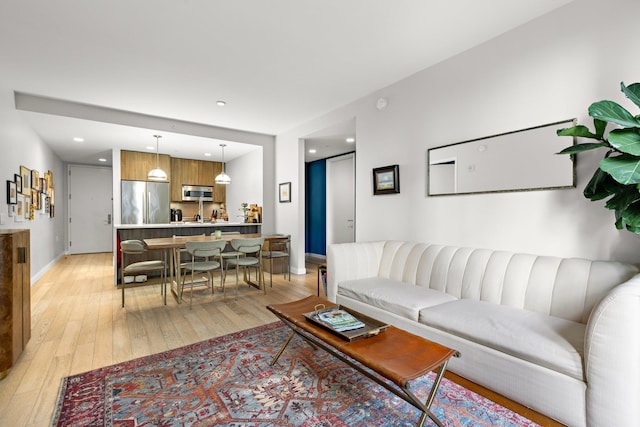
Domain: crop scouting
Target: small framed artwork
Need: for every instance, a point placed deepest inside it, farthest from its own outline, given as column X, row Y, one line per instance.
column 18, row 180
column 25, row 173
column 386, row 180
column 35, row 180
column 285, row 192
column 12, row 193
column 20, row 208
column 27, row 208
column 35, row 199
column 44, row 204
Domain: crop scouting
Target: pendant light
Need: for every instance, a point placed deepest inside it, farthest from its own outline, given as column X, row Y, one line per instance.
column 223, row 178
column 157, row 174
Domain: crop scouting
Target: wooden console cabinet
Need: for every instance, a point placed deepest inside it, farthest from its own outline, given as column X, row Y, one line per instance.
column 15, row 296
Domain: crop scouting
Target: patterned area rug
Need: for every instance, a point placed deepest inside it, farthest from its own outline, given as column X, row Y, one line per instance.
column 227, row 381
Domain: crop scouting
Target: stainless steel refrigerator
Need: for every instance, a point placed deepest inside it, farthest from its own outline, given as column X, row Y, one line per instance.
column 145, row 202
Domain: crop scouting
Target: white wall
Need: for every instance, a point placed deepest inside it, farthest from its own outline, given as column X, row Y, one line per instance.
column 246, row 174
column 548, row 70
column 21, row 146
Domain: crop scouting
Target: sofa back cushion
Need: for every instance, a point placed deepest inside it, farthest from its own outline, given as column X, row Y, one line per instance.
column 567, row 288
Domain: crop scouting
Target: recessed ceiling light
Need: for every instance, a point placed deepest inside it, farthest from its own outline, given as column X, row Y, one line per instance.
column 350, row 139
column 102, row 160
column 221, row 103
column 78, row 139
column 149, row 147
column 207, row 154
column 312, row 151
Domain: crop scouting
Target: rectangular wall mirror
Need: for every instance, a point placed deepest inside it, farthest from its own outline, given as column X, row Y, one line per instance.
column 521, row 160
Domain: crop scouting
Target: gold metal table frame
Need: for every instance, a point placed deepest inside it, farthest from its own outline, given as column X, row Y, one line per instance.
column 394, row 354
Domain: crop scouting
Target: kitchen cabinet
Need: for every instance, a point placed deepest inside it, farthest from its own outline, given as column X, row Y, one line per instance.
column 194, row 172
column 219, row 190
column 135, row 166
column 15, row 296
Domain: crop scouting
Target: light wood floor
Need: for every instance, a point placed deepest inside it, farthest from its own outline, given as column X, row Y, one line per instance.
column 79, row 325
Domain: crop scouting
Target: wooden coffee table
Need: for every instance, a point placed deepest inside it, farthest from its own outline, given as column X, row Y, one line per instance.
column 394, row 354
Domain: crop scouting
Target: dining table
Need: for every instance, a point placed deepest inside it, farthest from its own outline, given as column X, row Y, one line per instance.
column 172, row 246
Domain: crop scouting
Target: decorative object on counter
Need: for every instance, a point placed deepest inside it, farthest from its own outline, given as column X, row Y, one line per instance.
column 386, row 180
column 255, row 214
column 244, row 208
column 222, row 214
column 223, row 178
column 285, row 192
column 618, row 173
column 157, row 174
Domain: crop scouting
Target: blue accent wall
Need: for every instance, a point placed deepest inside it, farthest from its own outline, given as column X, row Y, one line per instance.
column 316, row 207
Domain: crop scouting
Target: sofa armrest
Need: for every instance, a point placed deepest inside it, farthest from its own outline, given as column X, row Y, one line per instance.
column 612, row 357
column 351, row 261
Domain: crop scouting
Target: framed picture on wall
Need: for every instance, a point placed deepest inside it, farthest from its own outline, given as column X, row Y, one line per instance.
column 18, row 180
column 386, row 180
column 25, row 173
column 20, row 207
column 285, row 192
column 35, row 180
column 12, row 193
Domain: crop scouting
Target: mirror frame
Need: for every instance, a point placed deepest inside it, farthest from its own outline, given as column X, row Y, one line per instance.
column 567, row 123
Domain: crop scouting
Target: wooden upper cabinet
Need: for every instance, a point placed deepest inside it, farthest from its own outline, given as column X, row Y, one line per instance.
column 194, row 172
column 205, row 173
column 135, row 165
column 219, row 191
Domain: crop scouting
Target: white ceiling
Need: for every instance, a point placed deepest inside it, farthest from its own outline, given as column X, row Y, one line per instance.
column 277, row 63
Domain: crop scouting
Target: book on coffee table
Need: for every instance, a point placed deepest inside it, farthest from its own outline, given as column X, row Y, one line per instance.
column 346, row 323
column 340, row 320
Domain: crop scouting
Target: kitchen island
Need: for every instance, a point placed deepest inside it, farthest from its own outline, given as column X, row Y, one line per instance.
column 149, row 231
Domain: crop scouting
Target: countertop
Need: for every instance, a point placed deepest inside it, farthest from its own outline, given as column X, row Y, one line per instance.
column 184, row 224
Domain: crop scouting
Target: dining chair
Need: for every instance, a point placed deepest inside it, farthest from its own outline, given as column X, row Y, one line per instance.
column 278, row 248
column 248, row 255
column 203, row 260
column 227, row 254
column 136, row 247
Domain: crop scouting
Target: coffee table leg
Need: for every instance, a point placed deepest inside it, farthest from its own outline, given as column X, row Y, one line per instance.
column 426, row 408
column 286, row 343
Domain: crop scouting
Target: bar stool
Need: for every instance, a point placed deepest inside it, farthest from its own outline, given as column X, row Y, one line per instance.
column 278, row 249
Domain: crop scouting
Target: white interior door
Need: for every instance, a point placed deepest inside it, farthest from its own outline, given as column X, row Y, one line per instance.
column 341, row 199
column 90, row 209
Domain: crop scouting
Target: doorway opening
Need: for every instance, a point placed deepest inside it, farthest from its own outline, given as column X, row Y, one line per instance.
column 329, row 188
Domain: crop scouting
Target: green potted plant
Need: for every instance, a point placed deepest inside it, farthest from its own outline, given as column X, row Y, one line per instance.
column 618, row 173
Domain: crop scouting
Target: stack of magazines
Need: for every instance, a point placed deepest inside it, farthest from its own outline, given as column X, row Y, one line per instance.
column 340, row 320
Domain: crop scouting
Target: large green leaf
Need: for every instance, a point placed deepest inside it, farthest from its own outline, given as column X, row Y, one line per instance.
column 579, row 130
column 600, row 126
column 624, row 197
column 614, row 113
column 626, row 140
column 632, row 92
column 601, row 185
column 579, row 148
column 631, row 216
column 625, row 168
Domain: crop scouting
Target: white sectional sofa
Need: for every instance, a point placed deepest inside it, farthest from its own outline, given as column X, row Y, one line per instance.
column 559, row 335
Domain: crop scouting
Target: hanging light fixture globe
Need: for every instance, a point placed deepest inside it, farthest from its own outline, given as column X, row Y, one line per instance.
column 223, row 178
column 157, row 174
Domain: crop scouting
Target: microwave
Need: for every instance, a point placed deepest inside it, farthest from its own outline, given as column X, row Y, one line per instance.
column 194, row 193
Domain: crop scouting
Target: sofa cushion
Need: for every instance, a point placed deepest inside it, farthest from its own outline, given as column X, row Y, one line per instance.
column 399, row 298
column 544, row 340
